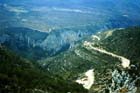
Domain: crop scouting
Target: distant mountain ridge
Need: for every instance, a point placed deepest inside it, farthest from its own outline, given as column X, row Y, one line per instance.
column 23, row 41
column 36, row 45
column 65, row 22
column 64, row 46
column 53, row 14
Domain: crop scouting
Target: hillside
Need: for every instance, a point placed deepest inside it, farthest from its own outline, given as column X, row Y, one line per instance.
column 36, row 45
column 18, row 75
column 23, row 41
column 112, row 53
column 69, row 46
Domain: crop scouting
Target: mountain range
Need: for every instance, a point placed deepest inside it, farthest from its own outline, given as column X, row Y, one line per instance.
column 73, row 46
column 106, row 52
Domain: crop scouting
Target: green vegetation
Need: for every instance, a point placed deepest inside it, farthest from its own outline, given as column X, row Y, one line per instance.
column 123, row 42
column 58, row 73
column 24, row 41
column 18, row 75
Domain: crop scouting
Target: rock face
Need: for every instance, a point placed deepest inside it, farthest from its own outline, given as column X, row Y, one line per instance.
column 23, row 41
column 36, row 45
column 67, row 21
column 122, row 82
column 64, row 39
column 114, row 56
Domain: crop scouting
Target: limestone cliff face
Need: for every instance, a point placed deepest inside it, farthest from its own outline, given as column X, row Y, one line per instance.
column 23, row 41
column 111, row 53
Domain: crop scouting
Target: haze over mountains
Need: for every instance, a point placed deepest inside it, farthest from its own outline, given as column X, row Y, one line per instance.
column 68, row 21
column 53, row 14
column 62, row 45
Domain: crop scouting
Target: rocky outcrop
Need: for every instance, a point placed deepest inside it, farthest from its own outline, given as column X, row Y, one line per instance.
column 111, row 54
